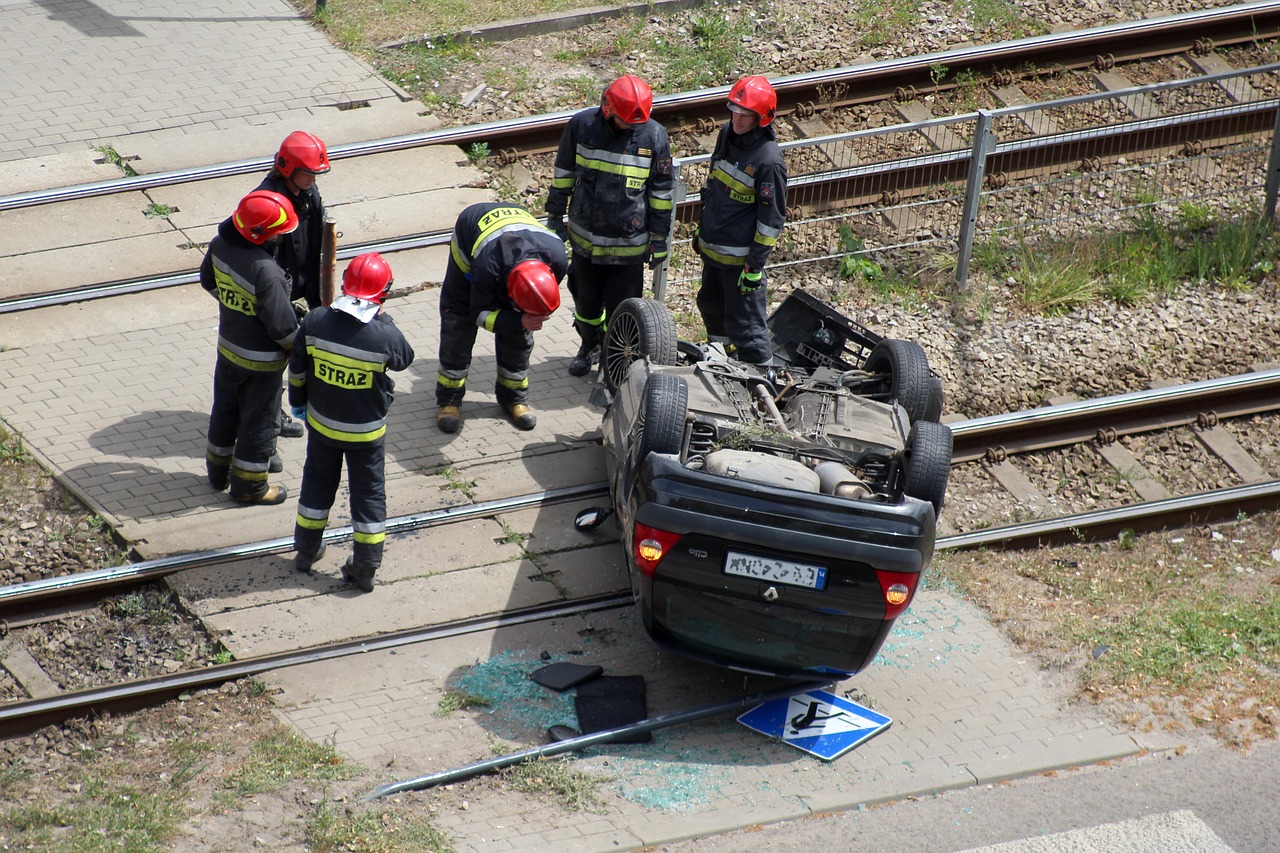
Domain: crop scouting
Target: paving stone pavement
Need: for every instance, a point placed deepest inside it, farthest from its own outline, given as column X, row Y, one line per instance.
column 114, row 396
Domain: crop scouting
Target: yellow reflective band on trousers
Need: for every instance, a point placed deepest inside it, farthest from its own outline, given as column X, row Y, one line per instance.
column 514, row 384
column 369, row 538
column 449, row 382
column 312, row 523
column 599, row 321
column 343, row 435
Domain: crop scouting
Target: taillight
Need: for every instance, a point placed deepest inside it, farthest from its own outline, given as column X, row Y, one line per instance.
column 898, row 588
column 650, row 545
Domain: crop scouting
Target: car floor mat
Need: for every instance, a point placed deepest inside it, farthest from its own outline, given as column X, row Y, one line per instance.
column 612, row 702
column 562, row 676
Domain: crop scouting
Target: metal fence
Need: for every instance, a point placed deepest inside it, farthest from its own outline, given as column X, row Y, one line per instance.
column 925, row 194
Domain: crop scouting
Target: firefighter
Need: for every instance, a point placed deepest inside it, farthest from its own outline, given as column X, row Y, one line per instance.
column 256, row 328
column 743, row 211
column 339, row 386
column 613, row 174
column 503, row 276
column 302, row 156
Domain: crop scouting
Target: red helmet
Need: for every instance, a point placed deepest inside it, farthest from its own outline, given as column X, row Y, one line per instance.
column 367, row 277
column 533, row 288
column 629, row 99
column 302, row 150
column 262, row 215
column 757, row 95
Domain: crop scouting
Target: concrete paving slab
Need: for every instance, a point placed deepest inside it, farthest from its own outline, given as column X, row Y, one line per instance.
column 386, row 219
column 347, row 613
column 550, row 528
column 180, row 148
column 81, row 265
column 79, row 222
column 55, row 170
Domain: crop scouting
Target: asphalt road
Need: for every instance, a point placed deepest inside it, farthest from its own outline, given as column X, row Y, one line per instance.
column 1207, row 800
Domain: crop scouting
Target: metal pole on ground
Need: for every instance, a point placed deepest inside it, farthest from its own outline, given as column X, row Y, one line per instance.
column 583, row 741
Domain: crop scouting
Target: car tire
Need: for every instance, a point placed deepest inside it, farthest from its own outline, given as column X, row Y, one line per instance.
column 928, row 463
column 906, row 370
column 666, row 404
column 639, row 328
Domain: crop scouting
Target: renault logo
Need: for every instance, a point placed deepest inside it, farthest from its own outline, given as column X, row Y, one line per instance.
column 770, row 593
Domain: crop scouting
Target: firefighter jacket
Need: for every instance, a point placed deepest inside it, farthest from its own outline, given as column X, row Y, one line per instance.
column 298, row 252
column 338, row 370
column 256, row 322
column 617, row 187
column 744, row 201
column 489, row 239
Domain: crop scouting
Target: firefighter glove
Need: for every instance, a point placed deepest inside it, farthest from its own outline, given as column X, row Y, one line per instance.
column 657, row 254
column 556, row 224
column 299, row 412
column 750, row 280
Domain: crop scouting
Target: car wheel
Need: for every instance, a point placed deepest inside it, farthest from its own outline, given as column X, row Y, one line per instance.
column 639, row 328
column 666, row 403
column 906, row 370
column 928, row 463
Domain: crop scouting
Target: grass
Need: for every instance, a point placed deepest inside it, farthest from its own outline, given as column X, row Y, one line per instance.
column 283, row 758
column 373, row 831
column 573, row 789
column 455, row 483
column 1185, row 624
column 459, row 700
column 1151, row 259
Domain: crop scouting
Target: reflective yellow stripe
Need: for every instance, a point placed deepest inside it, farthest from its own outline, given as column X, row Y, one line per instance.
column 312, row 523
column 247, row 364
column 450, row 383
column 514, row 384
column 340, row 435
column 369, row 538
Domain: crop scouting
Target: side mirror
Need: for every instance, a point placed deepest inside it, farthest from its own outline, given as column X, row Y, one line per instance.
column 591, row 518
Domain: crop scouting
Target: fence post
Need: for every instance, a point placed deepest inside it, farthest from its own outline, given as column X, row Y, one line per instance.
column 983, row 142
column 1273, row 168
column 678, row 192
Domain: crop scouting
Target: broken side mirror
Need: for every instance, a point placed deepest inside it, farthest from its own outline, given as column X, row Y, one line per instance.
column 591, row 518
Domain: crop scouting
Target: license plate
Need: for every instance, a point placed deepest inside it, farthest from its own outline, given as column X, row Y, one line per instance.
column 775, row 571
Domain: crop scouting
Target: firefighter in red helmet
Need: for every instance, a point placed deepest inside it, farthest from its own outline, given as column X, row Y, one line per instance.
column 256, row 329
column 743, row 213
column 503, row 276
column 301, row 158
column 613, row 179
column 339, row 386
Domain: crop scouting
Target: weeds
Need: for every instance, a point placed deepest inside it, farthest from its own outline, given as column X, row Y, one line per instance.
column 372, row 831
column 284, row 758
column 156, row 209
column 572, row 789
column 478, row 153
column 110, row 155
column 455, row 483
column 459, row 700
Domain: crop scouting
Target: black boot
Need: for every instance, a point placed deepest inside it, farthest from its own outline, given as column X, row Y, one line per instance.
column 303, row 562
column 361, row 576
column 581, row 363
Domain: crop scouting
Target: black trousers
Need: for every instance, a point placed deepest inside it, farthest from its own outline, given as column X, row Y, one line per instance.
column 367, row 481
column 458, row 338
column 729, row 314
column 242, row 427
column 597, row 290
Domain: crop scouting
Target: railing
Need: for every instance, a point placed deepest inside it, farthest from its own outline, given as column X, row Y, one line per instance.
column 924, row 194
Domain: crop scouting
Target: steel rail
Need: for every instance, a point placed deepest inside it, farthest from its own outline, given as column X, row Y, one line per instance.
column 28, row 715
column 27, row 593
column 992, row 438
column 25, row 716
column 800, row 93
column 1185, row 511
column 859, row 185
column 1105, row 418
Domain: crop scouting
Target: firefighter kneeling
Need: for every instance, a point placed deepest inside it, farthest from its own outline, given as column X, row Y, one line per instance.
column 338, row 385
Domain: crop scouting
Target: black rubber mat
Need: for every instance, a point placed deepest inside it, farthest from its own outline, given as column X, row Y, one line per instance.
column 612, row 702
column 562, row 676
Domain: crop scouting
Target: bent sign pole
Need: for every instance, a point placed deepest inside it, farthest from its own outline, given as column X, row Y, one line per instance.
column 583, row 741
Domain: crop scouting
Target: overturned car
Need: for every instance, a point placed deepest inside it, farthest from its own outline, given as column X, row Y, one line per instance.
column 776, row 520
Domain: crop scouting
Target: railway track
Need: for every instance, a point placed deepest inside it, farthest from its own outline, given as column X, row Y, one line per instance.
column 987, row 442
column 696, row 114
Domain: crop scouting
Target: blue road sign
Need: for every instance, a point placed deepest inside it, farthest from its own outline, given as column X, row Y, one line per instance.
column 818, row 722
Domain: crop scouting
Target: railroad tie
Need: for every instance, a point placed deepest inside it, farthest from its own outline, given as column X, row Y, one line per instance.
column 1237, row 88
column 1223, row 444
